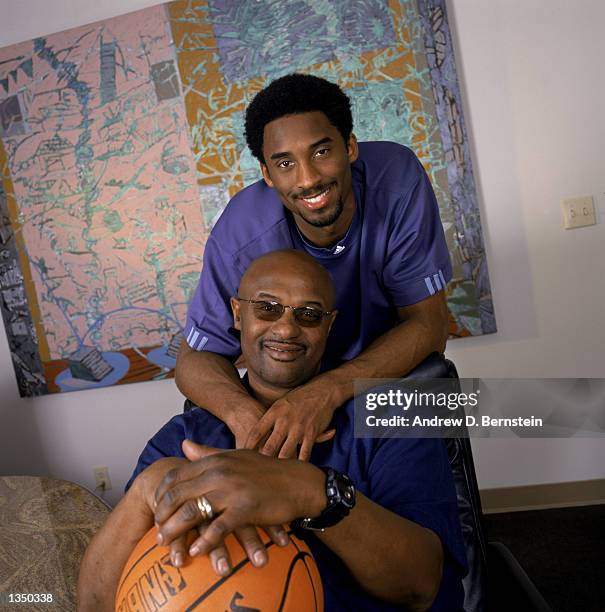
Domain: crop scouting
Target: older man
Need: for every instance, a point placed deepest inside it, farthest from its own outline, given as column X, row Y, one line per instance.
column 391, row 537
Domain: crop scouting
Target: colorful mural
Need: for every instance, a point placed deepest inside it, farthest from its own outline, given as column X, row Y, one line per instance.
column 122, row 141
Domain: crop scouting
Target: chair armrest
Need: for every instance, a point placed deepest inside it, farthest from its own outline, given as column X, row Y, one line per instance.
column 510, row 588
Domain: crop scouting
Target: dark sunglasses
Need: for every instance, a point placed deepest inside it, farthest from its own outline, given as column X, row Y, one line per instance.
column 306, row 316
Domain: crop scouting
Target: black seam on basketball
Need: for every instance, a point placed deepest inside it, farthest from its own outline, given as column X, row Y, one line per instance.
column 134, row 565
column 218, row 583
column 299, row 557
column 293, row 540
column 315, row 597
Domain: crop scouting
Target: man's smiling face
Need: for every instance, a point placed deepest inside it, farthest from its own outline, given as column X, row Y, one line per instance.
column 283, row 353
column 309, row 165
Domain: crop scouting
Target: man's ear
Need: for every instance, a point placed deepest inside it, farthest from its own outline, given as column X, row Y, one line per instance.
column 235, row 309
column 352, row 148
column 332, row 317
column 265, row 171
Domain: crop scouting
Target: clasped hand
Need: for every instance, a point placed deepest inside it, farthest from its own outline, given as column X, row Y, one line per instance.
column 300, row 417
column 244, row 489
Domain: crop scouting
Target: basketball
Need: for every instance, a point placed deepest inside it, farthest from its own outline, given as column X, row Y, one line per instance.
column 289, row 581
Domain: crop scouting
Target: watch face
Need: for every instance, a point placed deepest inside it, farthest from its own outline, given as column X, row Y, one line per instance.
column 346, row 490
column 340, row 492
column 349, row 497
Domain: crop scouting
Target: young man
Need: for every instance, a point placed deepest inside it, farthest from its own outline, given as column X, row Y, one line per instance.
column 367, row 212
column 392, row 537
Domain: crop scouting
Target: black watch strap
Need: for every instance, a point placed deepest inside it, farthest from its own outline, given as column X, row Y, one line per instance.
column 340, row 493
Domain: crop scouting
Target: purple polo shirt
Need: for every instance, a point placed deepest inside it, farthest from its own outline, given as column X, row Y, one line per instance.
column 394, row 254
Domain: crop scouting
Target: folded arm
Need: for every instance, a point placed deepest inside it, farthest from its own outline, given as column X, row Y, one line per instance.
column 211, row 381
column 392, row 558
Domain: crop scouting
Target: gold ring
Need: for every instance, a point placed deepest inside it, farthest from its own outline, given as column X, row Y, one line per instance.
column 203, row 505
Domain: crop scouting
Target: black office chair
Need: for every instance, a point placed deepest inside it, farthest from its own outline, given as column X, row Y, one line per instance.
column 495, row 581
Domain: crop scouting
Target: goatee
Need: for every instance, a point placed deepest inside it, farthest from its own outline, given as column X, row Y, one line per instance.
column 330, row 217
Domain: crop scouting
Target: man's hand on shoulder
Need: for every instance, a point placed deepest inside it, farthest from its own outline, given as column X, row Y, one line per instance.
column 244, row 420
column 300, row 417
column 211, row 381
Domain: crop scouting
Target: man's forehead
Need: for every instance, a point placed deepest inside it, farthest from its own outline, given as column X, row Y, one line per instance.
column 309, row 126
column 289, row 274
column 278, row 296
column 283, row 287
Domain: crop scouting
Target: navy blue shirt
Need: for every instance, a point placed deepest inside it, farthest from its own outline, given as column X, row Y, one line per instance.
column 411, row 477
column 394, row 253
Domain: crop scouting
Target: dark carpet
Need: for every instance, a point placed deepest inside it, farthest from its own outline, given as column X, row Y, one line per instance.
column 562, row 551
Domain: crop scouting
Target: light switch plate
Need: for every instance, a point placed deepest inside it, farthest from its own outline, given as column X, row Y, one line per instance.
column 578, row 212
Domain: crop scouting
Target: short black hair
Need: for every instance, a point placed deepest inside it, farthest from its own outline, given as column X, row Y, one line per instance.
column 292, row 94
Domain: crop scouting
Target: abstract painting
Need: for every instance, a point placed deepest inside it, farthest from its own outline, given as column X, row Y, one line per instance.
column 122, row 141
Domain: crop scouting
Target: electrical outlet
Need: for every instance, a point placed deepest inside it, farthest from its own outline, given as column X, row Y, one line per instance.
column 102, row 480
column 578, row 212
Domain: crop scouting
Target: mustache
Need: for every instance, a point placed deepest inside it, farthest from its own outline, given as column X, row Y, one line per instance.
column 309, row 193
column 283, row 343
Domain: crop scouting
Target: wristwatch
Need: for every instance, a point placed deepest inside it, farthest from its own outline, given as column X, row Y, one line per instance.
column 340, row 492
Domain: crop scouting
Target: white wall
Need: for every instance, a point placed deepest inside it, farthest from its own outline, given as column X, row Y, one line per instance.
column 530, row 73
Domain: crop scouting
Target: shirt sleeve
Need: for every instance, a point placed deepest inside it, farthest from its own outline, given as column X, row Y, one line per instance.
column 195, row 424
column 418, row 262
column 165, row 443
column 209, row 316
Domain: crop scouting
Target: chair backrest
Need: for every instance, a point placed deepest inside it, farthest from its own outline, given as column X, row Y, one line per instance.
column 467, row 491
